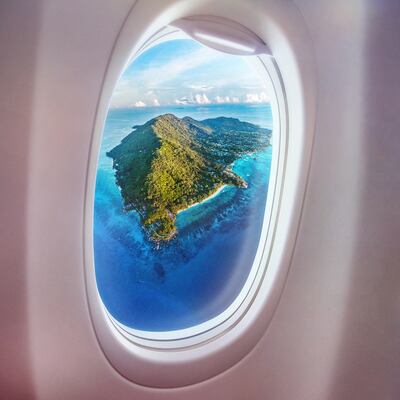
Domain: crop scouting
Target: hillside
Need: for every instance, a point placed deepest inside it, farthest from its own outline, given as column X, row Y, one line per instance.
column 169, row 163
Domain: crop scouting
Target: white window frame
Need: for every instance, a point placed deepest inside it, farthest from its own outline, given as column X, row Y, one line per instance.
column 165, row 359
column 177, row 339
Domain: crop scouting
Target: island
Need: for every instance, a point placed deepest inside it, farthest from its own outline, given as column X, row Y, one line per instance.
column 168, row 164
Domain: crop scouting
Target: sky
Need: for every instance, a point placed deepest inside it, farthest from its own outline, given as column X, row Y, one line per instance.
column 184, row 72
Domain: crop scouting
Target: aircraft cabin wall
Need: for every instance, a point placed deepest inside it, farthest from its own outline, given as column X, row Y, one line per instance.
column 335, row 333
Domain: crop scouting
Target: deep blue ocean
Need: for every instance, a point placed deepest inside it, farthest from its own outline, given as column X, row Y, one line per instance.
column 198, row 274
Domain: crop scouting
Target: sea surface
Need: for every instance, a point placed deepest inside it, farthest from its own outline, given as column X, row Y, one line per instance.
column 198, row 274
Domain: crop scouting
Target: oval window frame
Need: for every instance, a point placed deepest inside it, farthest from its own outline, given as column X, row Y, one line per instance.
column 178, row 339
column 143, row 360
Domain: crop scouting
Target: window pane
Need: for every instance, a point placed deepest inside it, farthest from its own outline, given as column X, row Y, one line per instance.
column 181, row 186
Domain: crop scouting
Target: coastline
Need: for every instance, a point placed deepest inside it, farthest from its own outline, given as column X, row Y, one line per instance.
column 216, row 193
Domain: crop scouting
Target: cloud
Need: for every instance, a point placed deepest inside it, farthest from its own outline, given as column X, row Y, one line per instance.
column 201, row 88
column 201, row 99
column 154, row 76
column 264, row 97
column 182, row 101
column 173, row 75
column 223, row 99
column 257, row 98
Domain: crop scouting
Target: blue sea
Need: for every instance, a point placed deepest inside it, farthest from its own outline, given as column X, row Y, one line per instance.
column 199, row 273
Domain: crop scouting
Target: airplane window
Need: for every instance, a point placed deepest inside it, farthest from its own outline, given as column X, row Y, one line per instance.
column 181, row 187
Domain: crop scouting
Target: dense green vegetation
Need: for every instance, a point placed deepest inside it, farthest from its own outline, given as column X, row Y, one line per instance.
column 169, row 163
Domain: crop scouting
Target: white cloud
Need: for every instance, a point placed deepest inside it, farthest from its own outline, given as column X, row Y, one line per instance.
column 201, row 88
column 139, row 104
column 223, row 99
column 201, row 99
column 155, row 76
column 182, row 78
column 264, row 97
column 182, row 101
column 252, row 98
column 257, row 98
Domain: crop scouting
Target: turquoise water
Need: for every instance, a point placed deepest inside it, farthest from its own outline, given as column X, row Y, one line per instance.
column 197, row 275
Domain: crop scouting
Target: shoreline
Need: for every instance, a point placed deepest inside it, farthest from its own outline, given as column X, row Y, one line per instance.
column 216, row 193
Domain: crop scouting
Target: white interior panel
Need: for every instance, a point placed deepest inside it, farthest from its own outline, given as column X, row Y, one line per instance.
column 335, row 333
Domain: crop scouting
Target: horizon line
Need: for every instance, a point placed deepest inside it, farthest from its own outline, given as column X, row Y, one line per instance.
column 190, row 105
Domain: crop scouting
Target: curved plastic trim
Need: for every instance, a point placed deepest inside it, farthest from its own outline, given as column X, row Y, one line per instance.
column 223, row 35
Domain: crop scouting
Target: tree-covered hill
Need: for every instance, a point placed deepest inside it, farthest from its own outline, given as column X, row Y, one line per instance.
column 168, row 164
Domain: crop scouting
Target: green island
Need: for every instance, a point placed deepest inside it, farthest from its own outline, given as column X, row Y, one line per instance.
column 169, row 164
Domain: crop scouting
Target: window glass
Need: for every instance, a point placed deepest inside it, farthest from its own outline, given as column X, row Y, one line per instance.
column 181, row 186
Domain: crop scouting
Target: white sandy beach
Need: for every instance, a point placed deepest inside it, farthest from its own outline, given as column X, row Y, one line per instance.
column 206, row 199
